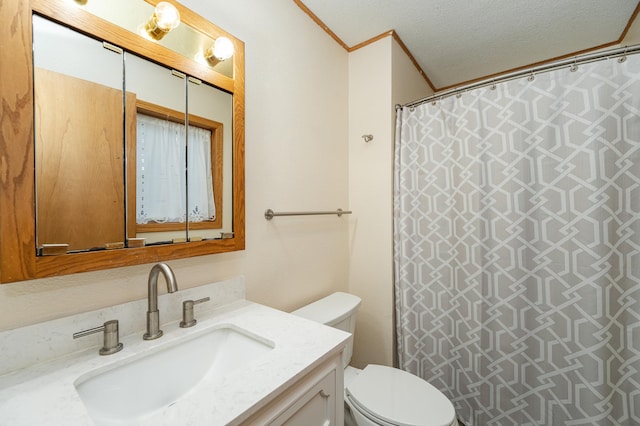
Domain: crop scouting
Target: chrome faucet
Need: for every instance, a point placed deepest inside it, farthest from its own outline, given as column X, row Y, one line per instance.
column 153, row 315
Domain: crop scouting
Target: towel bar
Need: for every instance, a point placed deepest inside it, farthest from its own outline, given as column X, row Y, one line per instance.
column 270, row 214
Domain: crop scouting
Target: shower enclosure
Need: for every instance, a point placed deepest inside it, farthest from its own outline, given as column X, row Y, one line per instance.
column 517, row 245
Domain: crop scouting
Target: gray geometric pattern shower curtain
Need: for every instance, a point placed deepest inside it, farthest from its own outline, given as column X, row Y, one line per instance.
column 517, row 247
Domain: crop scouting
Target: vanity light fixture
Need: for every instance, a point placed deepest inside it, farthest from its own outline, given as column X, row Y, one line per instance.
column 165, row 18
column 221, row 50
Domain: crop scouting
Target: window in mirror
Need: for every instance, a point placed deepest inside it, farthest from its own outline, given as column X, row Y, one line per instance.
column 212, row 104
column 164, row 207
column 161, row 93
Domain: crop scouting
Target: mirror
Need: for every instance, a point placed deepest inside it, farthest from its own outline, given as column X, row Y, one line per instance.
column 138, row 150
column 185, row 39
column 174, row 202
column 79, row 159
column 156, row 153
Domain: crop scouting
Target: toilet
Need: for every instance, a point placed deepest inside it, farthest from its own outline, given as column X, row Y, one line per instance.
column 377, row 394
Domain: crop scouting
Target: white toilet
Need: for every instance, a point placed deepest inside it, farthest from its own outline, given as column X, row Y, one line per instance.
column 379, row 395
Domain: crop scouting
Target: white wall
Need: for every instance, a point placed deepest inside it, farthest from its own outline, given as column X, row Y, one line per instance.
column 296, row 85
column 296, row 159
column 370, row 181
column 380, row 76
column 407, row 84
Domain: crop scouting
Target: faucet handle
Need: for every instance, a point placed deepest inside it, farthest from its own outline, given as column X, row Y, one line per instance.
column 187, row 312
column 111, row 343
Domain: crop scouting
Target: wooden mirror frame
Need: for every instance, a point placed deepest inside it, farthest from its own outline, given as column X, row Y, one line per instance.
column 18, row 260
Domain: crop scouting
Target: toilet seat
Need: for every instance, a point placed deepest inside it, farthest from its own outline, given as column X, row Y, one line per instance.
column 392, row 396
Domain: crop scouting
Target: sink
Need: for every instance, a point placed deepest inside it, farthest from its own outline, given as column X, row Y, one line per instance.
column 127, row 392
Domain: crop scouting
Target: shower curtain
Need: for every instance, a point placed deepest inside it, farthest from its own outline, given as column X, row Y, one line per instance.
column 517, row 247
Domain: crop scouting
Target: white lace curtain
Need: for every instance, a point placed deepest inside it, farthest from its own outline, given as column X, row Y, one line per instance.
column 162, row 184
column 517, row 248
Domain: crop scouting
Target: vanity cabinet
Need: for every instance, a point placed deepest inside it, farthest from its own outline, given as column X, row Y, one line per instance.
column 263, row 367
column 315, row 399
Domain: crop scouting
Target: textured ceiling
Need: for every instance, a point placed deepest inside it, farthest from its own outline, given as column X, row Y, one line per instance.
column 456, row 41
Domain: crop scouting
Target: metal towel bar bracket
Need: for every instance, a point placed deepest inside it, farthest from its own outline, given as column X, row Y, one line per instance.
column 270, row 214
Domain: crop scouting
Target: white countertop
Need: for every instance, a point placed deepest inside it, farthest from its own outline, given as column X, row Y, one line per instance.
column 44, row 393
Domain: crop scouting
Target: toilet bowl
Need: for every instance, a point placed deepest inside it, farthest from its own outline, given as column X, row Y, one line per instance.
column 379, row 395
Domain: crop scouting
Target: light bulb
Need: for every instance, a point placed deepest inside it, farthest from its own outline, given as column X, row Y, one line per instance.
column 221, row 50
column 165, row 18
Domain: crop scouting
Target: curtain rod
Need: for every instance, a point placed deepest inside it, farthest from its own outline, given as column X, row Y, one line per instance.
column 619, row 52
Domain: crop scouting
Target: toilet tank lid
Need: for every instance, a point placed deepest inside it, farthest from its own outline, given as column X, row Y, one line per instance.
column 330, row 310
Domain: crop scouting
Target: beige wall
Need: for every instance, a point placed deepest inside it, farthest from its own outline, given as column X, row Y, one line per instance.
column 308, row 104
column 296, row 159
column 407, row 84
column 370, row 110
column 380, row 76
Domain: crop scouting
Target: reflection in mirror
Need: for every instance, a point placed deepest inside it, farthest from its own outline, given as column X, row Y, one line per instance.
column 213, row 105
column 166, row 196
column 81, row 150
column 157, row 165
column 183, row 39
column 79, row 141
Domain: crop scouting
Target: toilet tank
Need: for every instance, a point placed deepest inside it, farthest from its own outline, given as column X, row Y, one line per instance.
column 336, row 310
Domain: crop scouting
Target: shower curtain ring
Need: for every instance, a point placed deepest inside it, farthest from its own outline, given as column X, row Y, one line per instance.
column 574, row 67
column 531, row 77
column 623, row 58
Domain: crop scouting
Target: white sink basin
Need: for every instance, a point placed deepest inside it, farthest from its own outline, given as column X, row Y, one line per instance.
column 124, row 393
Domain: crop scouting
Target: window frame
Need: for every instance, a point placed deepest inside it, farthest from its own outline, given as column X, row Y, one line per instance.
column 216, row 129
